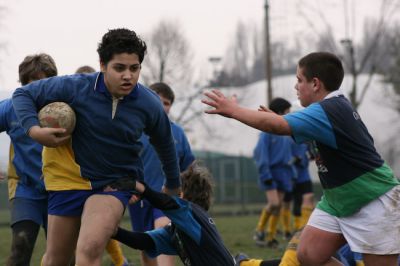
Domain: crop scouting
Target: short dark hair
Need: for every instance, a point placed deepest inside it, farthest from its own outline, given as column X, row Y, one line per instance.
column 85, row 69
column 197, row 185
column 164, row 90
column 118, row 41
column 33, row 66
column 325, row 66
column 279, row 105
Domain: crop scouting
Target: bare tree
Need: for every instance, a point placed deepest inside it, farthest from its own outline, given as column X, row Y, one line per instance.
column 392, row 69
column 244, row 60
column 169, row 60
column 169, row 55
column 363, row 58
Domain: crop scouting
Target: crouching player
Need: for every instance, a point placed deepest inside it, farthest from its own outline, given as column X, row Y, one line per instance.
column 192, row 234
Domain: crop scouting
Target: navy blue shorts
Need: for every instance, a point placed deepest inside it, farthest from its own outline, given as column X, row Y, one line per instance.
column 281, row 180
column 23, row 209
column 143, row 215
column 71, row 202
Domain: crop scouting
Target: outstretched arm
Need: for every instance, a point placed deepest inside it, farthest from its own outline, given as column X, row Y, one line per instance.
column 136, row 240
column 159, row 200
column 262, row 119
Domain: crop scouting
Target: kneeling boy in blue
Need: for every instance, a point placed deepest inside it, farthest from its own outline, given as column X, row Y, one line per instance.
column 192, row 234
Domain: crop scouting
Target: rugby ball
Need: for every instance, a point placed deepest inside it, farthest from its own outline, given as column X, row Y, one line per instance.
column 58, row 115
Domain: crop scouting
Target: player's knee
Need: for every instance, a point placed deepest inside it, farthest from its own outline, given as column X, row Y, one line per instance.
column 307, row 257
column 49, row 260
column 21, row 249
column 91, row 249
column 275, row 208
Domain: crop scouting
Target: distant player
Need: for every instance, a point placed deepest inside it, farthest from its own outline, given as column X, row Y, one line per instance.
column 273, row 156
column 27, row 194
column 303, row 196
column 360, row 201
column 144, row 216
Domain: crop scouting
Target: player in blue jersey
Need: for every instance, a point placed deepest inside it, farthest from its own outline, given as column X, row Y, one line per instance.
column 27, row 194
column 113, row 248
column 192, row 234
column 144, row 216
column 112, row 111
column 303, row 196
column 360, row 202
column 273, row 156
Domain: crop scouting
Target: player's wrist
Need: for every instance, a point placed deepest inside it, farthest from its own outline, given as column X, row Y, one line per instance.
column 32, row 131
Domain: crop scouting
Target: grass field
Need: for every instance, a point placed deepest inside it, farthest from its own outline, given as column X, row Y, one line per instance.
column 236, row 231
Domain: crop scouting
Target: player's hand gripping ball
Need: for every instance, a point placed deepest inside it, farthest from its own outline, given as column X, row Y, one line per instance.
column 58, row 115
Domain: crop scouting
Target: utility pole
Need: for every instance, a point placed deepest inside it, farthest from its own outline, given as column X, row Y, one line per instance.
column 348, row 44
column 268, row 63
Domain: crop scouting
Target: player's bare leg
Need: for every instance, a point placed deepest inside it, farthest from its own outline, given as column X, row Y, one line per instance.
column 164, row 259
column 387, row 260
column 100, row 217
column 317, row 247
column 62, row 235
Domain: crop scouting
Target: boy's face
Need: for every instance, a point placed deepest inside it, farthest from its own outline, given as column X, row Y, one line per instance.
column 166, row 103
column 121, row 74
column 305, row 89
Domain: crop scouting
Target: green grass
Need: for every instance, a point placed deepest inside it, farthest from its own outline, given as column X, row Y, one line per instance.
column 236, row 231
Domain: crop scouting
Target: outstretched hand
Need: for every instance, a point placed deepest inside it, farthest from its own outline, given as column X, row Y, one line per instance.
column 263, row 108
column 222, row 105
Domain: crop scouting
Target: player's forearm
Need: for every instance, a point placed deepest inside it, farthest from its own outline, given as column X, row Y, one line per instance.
column 159, row 200
column 264, row 121
column 136, row 240
column 25, row 109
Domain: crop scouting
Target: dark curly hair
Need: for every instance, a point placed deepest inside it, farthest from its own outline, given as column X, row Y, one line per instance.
column 197, row 185
column 118, row 41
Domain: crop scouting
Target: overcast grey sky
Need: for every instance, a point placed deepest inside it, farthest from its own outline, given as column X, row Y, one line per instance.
column 70, row 30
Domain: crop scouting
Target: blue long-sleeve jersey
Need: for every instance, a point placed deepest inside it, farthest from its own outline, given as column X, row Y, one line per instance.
column 25, row 169
column 272, row 154
column 192, row 234
column 103, row 147
column 154, row 175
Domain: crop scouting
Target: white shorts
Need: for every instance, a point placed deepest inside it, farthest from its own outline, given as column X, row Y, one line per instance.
column 375, row 229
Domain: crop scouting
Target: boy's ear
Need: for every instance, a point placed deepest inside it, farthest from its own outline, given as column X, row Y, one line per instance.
column 317, row 84
column 102, row 67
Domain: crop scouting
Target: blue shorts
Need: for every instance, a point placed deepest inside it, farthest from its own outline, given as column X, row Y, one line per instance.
column 281, row 181
column 303, row 175
column 71, row 202
column 143, row 215
column 23, row 209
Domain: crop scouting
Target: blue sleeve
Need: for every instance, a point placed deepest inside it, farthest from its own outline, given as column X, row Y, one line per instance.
column 5, row 106
column 183, row 149
column 162, row 240
column 28, row 100
column 311, row 123
column 161, row 138
column 184, row 220
column 261, row 157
